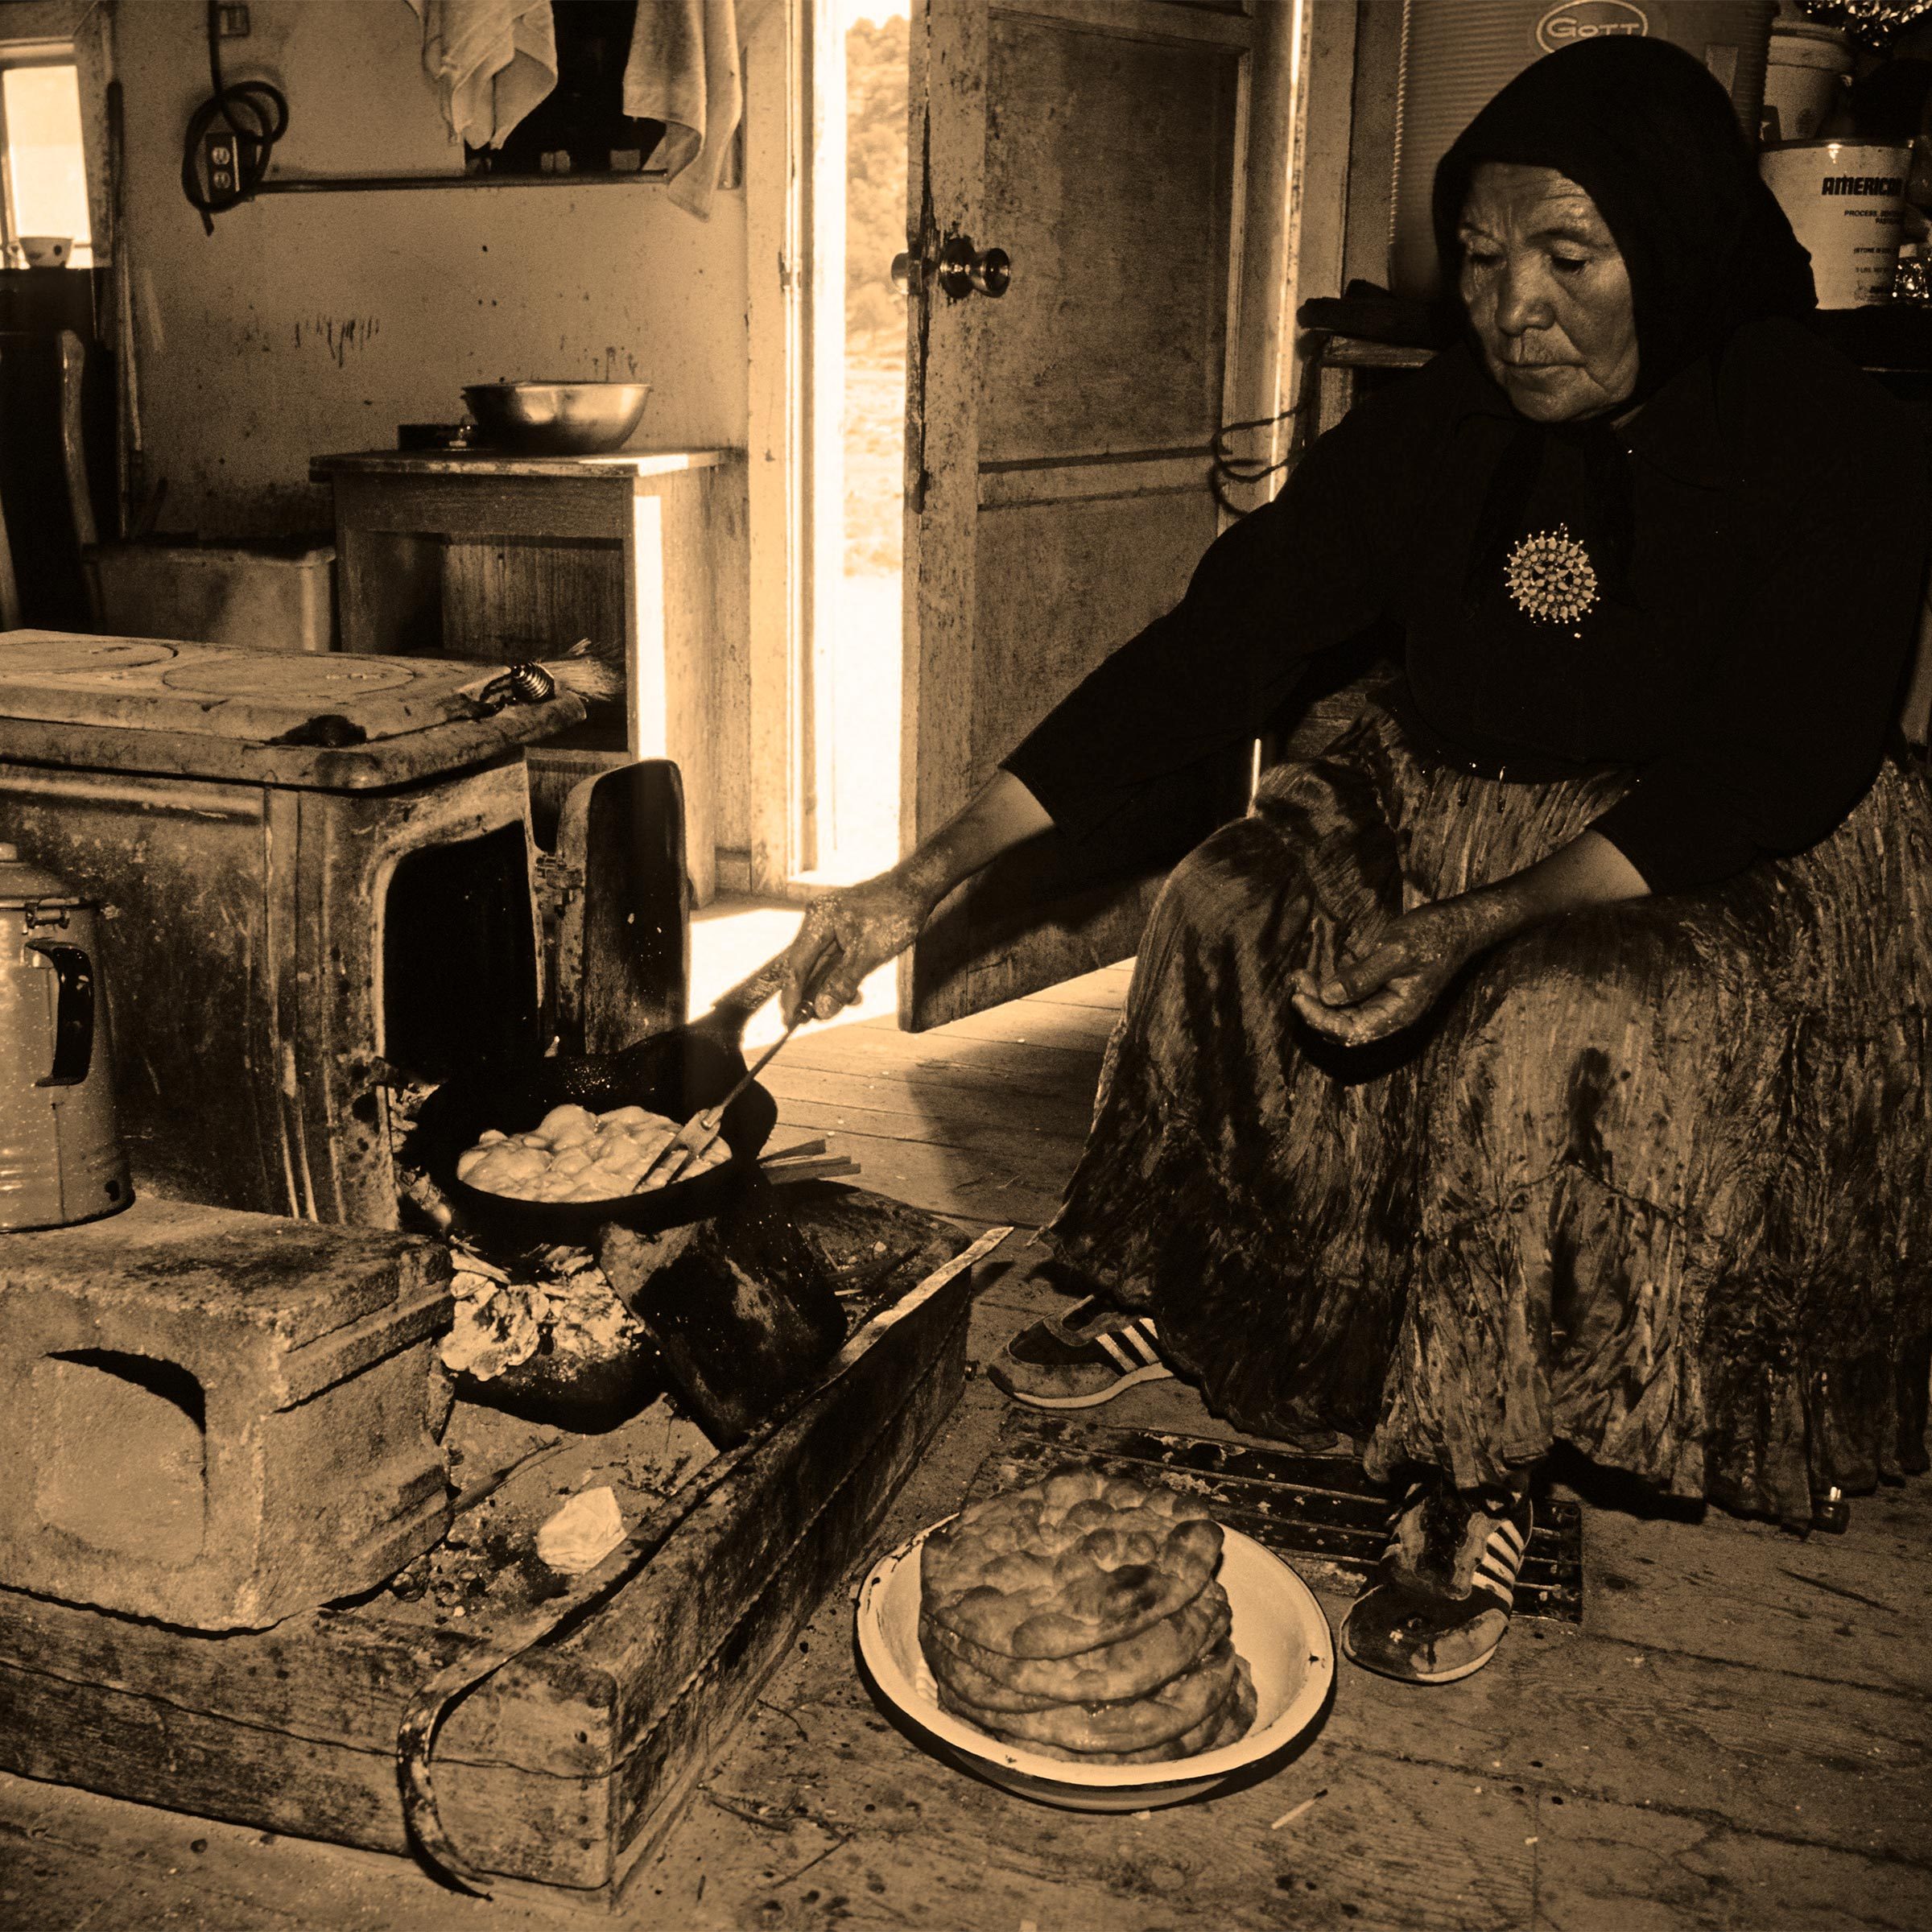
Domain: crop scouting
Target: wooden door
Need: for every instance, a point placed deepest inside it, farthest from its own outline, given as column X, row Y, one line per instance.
column 1058, row 437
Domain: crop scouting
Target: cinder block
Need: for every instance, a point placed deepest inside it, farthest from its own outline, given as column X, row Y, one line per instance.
column 217, row 1419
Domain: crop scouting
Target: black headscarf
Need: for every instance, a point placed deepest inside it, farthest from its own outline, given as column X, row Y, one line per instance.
column 1652, row 137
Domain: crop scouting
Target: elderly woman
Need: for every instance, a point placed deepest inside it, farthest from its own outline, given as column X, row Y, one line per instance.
column 1540, row 1058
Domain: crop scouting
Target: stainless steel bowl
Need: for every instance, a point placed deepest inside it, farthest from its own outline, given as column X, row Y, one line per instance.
column 556, row 419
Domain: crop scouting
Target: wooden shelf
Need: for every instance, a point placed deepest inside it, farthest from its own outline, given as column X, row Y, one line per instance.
column 490, row 554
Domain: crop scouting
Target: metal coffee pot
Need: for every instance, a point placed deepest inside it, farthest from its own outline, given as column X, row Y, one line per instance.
column 61, row 1158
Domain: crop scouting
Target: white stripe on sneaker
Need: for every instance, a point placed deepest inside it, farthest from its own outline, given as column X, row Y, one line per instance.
column 1142, row 1345
column 1122, row 1359
column 1496, row 1568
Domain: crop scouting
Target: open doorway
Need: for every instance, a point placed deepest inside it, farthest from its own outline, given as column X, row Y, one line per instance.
column 857, row 447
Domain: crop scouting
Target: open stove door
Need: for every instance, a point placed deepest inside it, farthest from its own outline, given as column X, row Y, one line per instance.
column 617, row 909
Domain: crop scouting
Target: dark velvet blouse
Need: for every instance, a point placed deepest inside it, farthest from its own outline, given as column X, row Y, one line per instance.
column 1753, row 544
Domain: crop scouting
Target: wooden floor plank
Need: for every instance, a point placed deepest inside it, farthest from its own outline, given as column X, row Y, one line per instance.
column 930, row 1108
column 908, row 1840
column 1630, row 1868
column 1850, row 1610
column 1105, row 987
column 1036, row 1023
column 990, row 1065
column 968, row 1158
column 946, row 1180
column 1789, row 1757
column 1053, row 1155
column 73, row 1862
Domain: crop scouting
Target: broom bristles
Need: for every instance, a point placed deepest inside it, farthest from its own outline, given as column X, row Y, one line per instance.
column 595, row 679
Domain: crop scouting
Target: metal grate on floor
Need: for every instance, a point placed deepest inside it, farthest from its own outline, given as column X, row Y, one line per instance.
column 1318, row 1511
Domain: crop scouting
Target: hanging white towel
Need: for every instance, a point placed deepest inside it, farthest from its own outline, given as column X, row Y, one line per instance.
column 492, row 61
column 684, row 71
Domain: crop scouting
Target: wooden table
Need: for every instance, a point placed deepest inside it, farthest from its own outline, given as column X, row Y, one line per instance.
column 478, row 554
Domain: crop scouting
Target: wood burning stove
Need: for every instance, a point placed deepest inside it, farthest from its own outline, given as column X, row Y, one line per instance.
column 319, row 872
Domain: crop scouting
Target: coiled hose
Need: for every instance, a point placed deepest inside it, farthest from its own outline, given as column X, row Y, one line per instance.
column 254, row 112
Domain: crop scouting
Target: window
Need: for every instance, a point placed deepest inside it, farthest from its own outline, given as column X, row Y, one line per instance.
column 45, row 176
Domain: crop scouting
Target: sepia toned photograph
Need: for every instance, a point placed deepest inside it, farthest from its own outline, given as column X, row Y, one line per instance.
column 965, row 965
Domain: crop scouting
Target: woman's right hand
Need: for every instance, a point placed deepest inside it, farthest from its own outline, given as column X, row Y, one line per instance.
column 845, row 936
column 854, row 931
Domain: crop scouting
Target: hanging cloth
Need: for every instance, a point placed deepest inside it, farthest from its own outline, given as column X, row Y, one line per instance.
column 491, row 60
column 684, row 71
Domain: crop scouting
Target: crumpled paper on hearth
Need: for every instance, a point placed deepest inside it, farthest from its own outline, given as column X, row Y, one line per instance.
column 499, row 1323
column 494, row 1323
column 583, row 1533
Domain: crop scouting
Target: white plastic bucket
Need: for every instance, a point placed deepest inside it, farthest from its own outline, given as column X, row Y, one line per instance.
column 1804, row 78
column 1845, row 202
column 1457, row 54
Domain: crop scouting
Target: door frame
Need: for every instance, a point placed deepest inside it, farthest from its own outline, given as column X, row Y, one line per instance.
column 780, row 50
column 1285, row 241
column 796, row 278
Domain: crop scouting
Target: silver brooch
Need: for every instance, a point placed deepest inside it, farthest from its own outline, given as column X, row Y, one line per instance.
column 1550, row 576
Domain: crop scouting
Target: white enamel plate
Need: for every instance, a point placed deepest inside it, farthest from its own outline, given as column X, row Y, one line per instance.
column 1279, row 1628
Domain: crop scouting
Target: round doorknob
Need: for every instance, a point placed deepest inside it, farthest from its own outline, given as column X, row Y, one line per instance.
column 964, row 269
column 991, row 271
column 902, row 272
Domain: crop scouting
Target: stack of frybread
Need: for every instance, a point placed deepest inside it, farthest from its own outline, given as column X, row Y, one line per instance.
column 1079, row 1617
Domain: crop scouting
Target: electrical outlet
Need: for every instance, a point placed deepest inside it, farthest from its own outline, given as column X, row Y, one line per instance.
column 223, row 155
column 231, row 22
column 218, row 154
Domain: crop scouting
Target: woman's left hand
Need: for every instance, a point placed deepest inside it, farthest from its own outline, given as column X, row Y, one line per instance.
column 1400, row 974
column 1394, row 977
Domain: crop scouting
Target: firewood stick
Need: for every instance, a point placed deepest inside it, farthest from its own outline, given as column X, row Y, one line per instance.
column 801, row 1152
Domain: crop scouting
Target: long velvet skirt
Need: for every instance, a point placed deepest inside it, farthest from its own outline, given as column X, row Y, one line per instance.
column 1652, row 1181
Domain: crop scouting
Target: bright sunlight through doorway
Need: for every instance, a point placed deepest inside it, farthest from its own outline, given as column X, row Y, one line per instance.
column 856, row 654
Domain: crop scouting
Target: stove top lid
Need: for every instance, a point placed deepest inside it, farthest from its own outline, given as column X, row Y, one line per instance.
column 218, row 690
column 289, row 717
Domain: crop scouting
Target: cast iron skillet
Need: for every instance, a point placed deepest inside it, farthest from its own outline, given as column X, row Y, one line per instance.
column 677, row 1074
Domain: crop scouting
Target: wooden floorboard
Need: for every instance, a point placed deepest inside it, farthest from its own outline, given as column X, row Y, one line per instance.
column 1849, row 1610
column 1106, row 988
column 943, row 1180
column 982, row 1120
column 1739, row 1737
column 988, row 1065
column 919, row 1108
column 1037, row 1023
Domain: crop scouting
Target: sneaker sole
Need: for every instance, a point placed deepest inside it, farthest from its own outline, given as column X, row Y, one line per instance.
column 1419, row 1677
column 1154, row 1371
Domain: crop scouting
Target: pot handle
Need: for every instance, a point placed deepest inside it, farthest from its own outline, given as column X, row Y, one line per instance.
column 73, row 1015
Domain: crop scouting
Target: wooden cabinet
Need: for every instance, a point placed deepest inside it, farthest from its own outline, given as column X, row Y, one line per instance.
column 478, row 554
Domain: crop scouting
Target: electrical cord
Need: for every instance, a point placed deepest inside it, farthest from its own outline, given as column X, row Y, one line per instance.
column 255, row 113
column 1229, row 471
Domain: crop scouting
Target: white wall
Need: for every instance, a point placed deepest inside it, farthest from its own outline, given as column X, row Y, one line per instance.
column 309, row 324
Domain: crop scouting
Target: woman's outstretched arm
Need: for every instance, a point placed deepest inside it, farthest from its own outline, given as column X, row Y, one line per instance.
column 847, row 933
